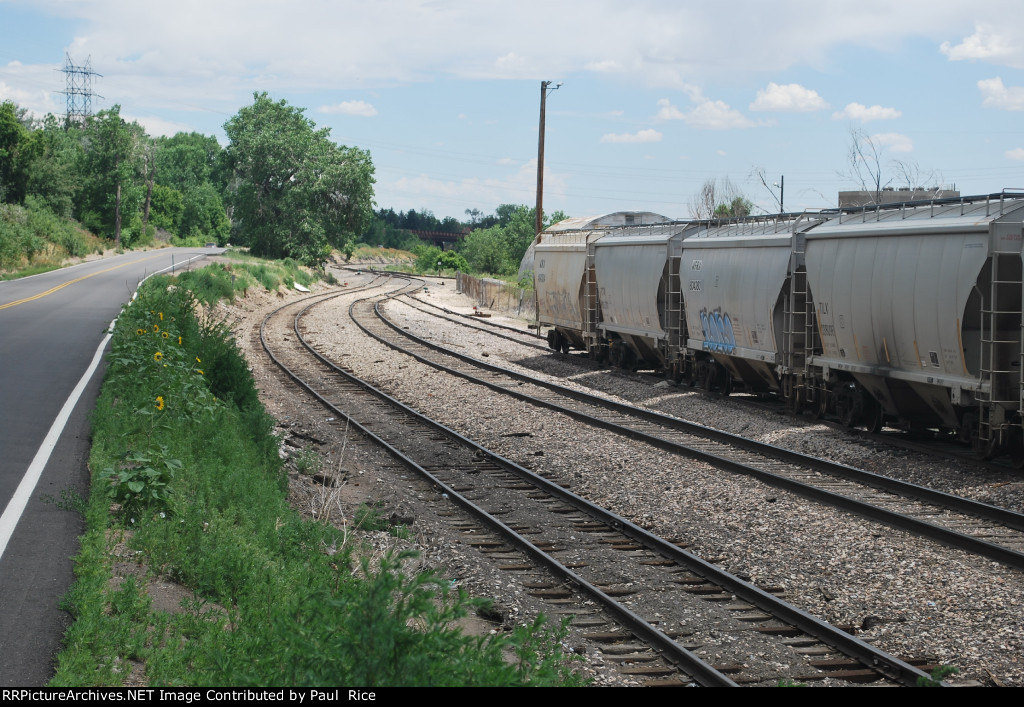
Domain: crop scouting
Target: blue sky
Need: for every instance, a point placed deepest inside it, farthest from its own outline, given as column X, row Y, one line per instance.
column 657, row 96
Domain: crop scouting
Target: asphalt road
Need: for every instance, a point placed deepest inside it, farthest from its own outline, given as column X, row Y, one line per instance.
column 51, row 329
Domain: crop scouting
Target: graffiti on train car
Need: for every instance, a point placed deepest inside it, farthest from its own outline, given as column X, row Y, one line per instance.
column 718, row 332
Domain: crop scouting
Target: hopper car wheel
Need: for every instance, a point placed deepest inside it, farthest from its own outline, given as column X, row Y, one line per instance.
column 796, row 401
column 983, row 449
column 707, row 376
column 821, row 406
column 794, row 395
column 1015, row 448
column 874, row 416
column 553, row 337
column 847, row 405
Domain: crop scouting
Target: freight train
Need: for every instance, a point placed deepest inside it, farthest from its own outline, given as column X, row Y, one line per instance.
column 903, row 314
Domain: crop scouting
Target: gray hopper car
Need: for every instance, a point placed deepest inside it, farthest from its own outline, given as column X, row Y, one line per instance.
column 907, row 314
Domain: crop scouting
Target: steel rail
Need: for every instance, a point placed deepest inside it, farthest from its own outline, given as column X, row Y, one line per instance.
column 1011, row 519
column 692, row 664
column 849, row 645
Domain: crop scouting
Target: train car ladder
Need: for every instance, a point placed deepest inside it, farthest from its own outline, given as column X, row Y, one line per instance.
column 591, row 304
column 1000, row 321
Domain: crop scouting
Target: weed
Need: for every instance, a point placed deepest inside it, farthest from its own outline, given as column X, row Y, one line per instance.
column 70, row 500
column 143, row 481
column 308, row 462
column 939, row 674
column 369, row 519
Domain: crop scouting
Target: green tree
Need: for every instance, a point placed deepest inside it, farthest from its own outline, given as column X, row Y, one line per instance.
column 737, row 208
column 500, row 247
column 54, row 175
column 18, row 148
column 189, row 163
column 167, row 206
column 719, row 200
column 296, row 192
column 113, row 173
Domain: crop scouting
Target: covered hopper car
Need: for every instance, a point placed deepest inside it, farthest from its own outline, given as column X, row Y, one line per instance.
column 908, row 314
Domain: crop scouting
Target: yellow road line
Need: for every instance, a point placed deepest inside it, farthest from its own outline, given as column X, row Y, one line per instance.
column 71, row 282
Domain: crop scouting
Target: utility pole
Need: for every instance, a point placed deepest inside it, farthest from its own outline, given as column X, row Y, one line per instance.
column 544, row 91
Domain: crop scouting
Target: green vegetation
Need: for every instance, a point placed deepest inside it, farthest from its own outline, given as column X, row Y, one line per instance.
column 293, row 192
column 225, row 280
column 296, row 194
column 188, row 484
column 494, row 245
column 940, row 673
column 33, row 238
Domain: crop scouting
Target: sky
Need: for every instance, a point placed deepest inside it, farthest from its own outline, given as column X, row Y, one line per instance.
column 656, row 96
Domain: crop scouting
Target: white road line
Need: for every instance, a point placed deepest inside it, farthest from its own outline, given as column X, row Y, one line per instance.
column 16, row 506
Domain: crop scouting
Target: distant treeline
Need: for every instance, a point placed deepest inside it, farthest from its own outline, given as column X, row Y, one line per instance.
column 494, row 244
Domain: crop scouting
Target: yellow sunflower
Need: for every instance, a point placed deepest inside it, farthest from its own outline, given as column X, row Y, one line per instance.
column 158, row 357
column 159, row 402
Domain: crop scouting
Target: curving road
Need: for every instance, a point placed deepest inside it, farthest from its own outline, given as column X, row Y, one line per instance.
column 52, row 337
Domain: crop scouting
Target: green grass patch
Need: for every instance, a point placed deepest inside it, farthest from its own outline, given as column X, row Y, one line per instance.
column 226, row 280
column 187, row 483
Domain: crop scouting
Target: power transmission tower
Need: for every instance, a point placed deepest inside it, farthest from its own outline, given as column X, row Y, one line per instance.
column 79, row 90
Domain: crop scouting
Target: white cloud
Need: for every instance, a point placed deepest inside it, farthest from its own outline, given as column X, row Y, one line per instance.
column 894, row 141
column 359, row 108
column 515, row 188
column 858, row 111
column 649, row 135
column 717, row 115
column 1016, row 154
column 706, row 115
column 988, row 45
column 996, row 95
column 157, row 127
column 667, row 111
column 791, row 97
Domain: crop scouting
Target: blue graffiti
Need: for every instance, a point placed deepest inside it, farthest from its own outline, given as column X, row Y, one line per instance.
column 719, row 336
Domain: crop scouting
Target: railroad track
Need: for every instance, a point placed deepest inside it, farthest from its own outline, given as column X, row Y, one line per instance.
column 892, row 438
column 975, row 527
column 633, row 593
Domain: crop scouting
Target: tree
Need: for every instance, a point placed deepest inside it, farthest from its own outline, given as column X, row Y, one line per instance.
column 54, row 175
column 500, row 247
column 866, row 160
column 18, row 148
column 113, row 173
column 296, row 192
column 189, row 163
column 719, row 200
column 865, row 163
